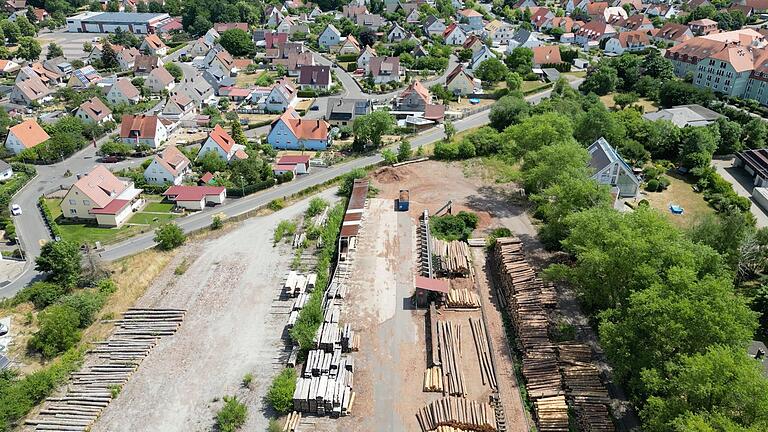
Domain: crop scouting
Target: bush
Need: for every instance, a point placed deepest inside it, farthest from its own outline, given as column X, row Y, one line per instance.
column 48, row 216
column 276, row 204
column 216, row 223
column 232, row 416
column 316, row 206
column 663, row 183
column 62, row 261
column 652, row 185
column 284, row 228
column 497, row 233
column 280, row 393
column 58, row 331
column 169, row 236
column 86, row 304
column 453, row 227
column 41, row 294
column 348, row 180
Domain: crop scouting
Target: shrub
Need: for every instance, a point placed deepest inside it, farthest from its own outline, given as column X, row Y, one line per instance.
column 280, row 393
column 284, row 228
column 86, row 304
column 62, row 261
column 276, row 204
column 348, row 180
column 663, row 183
column 652, row 185
column 247, row 379
column 169, row 236
column 274, row 426
column 497, row 233
column 216, row 223
column 316, row 206
column 453, row 227
column 58, row 331
column 232, row 416
column 41, row 294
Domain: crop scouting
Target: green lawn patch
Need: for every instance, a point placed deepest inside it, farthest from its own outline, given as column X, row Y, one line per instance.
column 159, row 207
column 528, row 86
column 150, row 218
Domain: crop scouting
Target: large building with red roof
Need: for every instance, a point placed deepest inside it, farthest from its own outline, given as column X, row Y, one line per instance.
column 196, row 197
column 102, row 196
column 290, row 131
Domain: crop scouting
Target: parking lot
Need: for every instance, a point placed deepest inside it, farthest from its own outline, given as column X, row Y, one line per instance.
column 71, row 43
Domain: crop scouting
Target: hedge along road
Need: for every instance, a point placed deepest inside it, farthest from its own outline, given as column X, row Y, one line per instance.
column 240, row 206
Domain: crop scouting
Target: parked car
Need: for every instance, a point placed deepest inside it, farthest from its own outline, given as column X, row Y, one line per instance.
column 314, row 108
column 16, row 210
column 3, row 330
column 112, row 159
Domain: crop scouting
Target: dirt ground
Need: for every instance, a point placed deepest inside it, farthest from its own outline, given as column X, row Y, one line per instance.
column 233, row 326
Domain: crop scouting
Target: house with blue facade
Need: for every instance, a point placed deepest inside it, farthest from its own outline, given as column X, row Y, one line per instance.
column 291, row 132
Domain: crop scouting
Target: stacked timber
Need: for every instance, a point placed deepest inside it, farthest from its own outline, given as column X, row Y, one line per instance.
column 449, row 349
column 433, row 379
column 542, row 376
column 460, row 413
column 292, row 422
column 487, row 373
column 91, row 388
column 452, row 256
column 551, row 414
column 463, row 298
column 585, row 391
column 299, row 239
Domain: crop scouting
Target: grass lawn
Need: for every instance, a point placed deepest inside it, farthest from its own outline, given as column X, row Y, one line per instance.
column 159, row 207
column 492, row 169
column 150, row 218
column 531, row 85
column 645, row 103
column 680, row 192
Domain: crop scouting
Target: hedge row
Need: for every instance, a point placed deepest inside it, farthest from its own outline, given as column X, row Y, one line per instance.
column 251, row 188
column 48, row 216
column 347, row 58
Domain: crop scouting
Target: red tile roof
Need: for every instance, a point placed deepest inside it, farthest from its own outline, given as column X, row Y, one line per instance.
column 138, row 126
column 222, row 138
column 193, row 193
column 113, row 207
column 304, row 128
column 293, row 160
column 29, row 133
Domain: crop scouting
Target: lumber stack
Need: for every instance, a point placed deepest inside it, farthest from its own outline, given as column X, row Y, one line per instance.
column 463, row 298
column 296, row 283
column 433, row 379
column 457, row 413
column 551, row 414
column 487, row 373
column 585, row 391
column 292, row 422
column 452, row 256
column 449, row 350
column 325, row 385
column 92, row 388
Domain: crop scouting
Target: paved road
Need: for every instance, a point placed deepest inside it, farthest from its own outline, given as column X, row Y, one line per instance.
column 32, row 233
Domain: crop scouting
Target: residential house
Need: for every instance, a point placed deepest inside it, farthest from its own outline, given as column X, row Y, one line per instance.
column 364, row 60
column 143, row 129
column 290, row 131
column 610, row 169
column 414, row 17
column 591, row 33
column 483, row 54
column 665, row 11
column 273, row 15
column 101, row 196
column 703, row 27
column 566, row 24
column 419, row 51
column 499, row 32
column 571, row 5
column 168, row 166
column 144, row 64
column 397, row 33
column 315, row 77
column 462, row 83
column 218, row 78
column 126, row 58
column 200, row 47
column 25, row 135
column 370, row 21
column 298, row 164
column 546, row 55
column 196, row 197
column 330, row 37
column 693, row 115
column 474, row 43
column 633, row 23
column 672, row 34
column 637, row 40
column 6, row 170
column 350, row 46
column 123, row 91
column 30, row 90
column 472, row 18
column 385, row 69
column 94, row 111
column 523, row 4
column 433, row 26
column 8, row 67
column 197, row 89
column 177, row 106
column 84, row 77
column 57, row 65
column 523, row 38
column 223, row 60
column 595, row 10
column 454, row 35
column 415, row 97
column 351, row 11
column 220, row 142
column 540, row 17
column 160, row 79
column 154, row 46
column 295, row 61
column 613, row 13
column 342, row 111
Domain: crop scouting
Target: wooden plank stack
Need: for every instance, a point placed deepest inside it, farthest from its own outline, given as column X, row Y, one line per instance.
column 585, row 391
column 433, row 379
column 463, row 298
column 325, row 385
column 454, row 412
column 551, row 414
column 487, row 373
column 91, row 389
column 449, row 349
column 292, row 422
column 452, row 257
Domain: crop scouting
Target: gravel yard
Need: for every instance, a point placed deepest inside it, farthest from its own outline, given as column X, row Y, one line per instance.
column 233, row 326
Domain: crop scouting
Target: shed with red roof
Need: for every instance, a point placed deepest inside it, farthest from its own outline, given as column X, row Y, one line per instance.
column 196, row 197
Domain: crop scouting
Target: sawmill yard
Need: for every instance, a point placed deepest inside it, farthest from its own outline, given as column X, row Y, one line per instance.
column 230, row 289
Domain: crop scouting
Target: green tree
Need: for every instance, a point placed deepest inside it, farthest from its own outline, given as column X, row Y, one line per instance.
column 534, row 132
column 520, row 60
column 598, row 122
column 507, row 111
column 404, row 151
column 115, row 148
column 730, row 136
column 238, row 134
column 601, row 81
column 280, row 393
column 11, row 31
column 449, row 129
column 624, row 100
column 211, row 162
column 369, row 129
column 675, row 92
column 237, row 42
column 175, row 71
column 29, row 49
column 109, row 57
column 514, row 81
column 725, row 233
column 169, row 236
column 697, row 146
column 232, row 416
column 25, row 27
column 58, row 331
column 348, row 180
column 54, row 51
column 552, row 163
column 492, row 71
column 656, row 66
column 62, row 261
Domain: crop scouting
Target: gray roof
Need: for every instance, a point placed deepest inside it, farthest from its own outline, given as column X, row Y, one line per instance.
column 685, row 115
column 4, row 165
column 521, row 36
column 347, row 109
column 602, row 154
column 124, row 17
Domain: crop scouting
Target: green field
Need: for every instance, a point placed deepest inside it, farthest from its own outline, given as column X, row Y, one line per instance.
column 150, row 218
column 159, row 207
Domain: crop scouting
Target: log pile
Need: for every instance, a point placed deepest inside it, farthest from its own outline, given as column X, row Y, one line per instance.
column 487, row 373
column 449, row 349
column 433, row 379
column 91, row 389
column 458, row 413
column 463, row 298
column 452, row 257
column 325, row 385
column 584, row 389
column 551, row 414
column 292, row 422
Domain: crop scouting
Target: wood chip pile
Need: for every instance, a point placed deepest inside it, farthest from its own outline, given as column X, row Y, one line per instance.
column 452, row 257
column 90, row 389
column 454, row 412
column 585, row 391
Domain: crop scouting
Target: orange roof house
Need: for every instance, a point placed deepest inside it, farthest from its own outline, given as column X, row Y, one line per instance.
column 290, row 131
column 25, row 135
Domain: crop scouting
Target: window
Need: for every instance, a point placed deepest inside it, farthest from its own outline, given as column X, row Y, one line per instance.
column 72, row 211
column 72, row 202
column 86, row 202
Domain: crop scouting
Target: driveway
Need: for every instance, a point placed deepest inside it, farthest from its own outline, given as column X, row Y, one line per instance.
column 742, row 184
